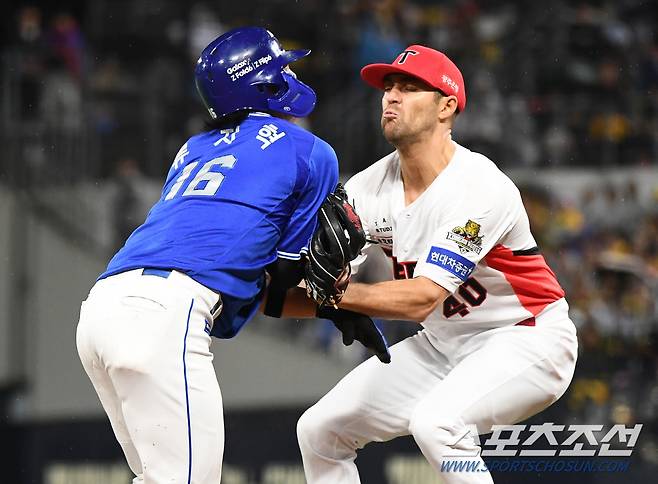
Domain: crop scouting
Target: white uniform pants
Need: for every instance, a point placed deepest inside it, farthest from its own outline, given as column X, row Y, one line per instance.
column 501, row 377
column 142, row 342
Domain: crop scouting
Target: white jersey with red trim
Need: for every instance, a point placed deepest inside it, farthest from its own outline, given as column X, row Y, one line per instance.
column 468, row 232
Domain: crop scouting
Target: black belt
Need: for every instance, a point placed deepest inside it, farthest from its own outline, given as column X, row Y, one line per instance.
column 150, row 271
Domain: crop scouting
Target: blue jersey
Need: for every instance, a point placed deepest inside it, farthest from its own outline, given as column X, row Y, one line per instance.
column 233, row 202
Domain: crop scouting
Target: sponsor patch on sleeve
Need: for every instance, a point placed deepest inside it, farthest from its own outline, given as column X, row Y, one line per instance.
column 451, row 262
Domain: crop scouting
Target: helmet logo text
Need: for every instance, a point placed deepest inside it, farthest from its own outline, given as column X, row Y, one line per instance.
column 236, row 71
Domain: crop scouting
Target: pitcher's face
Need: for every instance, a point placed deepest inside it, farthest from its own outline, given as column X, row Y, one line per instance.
column 410, row 109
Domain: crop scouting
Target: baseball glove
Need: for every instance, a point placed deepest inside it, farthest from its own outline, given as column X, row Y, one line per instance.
column 337, row 241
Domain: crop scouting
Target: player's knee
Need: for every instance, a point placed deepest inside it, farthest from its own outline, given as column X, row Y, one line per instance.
column 319, row 432
column 311, row 427
column 434, row 426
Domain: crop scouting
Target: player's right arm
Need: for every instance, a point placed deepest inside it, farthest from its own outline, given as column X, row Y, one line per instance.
column 406, row 299
column 411, row 300
column 443, row 266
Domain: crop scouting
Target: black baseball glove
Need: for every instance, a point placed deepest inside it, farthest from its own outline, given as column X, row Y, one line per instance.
column 337, row 241
column 357, row 326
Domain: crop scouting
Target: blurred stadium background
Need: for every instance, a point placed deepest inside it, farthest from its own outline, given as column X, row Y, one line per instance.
column 97, row 97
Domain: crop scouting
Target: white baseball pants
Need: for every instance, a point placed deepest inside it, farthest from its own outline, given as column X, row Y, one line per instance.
column 142, row 342
column 500, row 376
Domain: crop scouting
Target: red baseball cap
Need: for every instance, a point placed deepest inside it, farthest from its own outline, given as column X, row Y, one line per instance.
column 426, row 64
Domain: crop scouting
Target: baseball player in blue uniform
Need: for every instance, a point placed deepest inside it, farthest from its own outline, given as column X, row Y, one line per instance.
column 236, row 211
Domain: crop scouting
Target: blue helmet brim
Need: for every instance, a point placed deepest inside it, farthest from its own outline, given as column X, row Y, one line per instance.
column 290, row 56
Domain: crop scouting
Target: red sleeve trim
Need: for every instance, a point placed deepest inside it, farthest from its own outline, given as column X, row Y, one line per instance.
column 533, row 282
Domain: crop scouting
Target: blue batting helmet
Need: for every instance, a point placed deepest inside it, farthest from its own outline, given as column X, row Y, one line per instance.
column 246, row 69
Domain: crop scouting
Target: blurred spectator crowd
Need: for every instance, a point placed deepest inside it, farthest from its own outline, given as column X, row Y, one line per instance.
column 605, row 253
column 564, row 83
column 572, row 82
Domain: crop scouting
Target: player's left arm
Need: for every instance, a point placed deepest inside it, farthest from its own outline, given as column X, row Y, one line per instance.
column 320, row 174
column 282, row 275
column 317, row 177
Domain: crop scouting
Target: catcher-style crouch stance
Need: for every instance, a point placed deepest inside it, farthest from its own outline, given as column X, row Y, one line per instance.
column 497, row 344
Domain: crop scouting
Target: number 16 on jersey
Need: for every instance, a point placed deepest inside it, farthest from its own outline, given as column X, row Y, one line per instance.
column 206, row 182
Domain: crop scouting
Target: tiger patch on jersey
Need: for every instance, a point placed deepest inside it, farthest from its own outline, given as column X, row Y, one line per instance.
column 467, row 238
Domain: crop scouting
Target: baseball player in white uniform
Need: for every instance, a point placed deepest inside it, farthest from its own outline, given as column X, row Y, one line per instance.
column 497, row 345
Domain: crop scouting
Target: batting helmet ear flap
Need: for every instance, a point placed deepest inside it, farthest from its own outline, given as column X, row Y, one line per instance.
column 298, row 100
